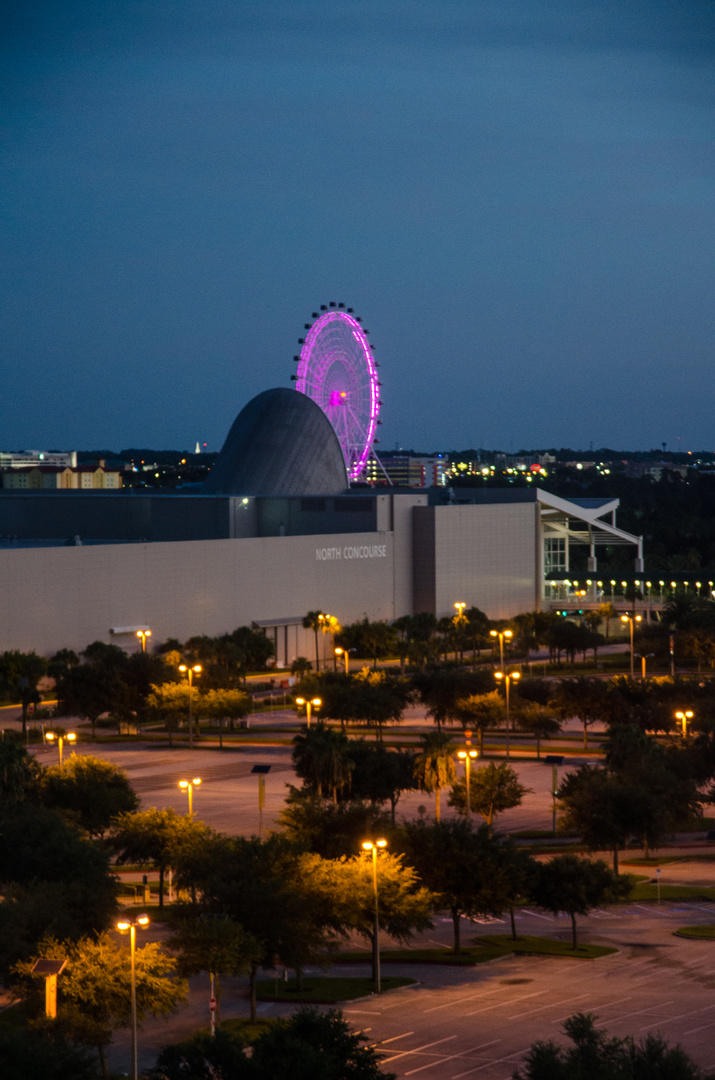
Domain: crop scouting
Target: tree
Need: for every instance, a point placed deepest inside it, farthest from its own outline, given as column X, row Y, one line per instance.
column 314, row 1045
column 170, row 704
column 379, row 698
column 204, row 1057
column 225, row 704
column 381, row 774
column 52, row 880
column 258, row 885
column 214, row 944
column 89, row 792
column 156, row 837
column 404, row 905
column 493, row 789
column 94, row 993
column 575, row 885
column 45, row 1054
column 481, row 711
column 310, row 1045
column 460, row 865
column 19, row 773
column 20, row 673
column 328, row 830
column 321, row 757
column 312, row 621
column 441, row 690
column 434, row 766
column 588, row 699
column 251, row 649
column 372, row 640
column 607, row 613
column 605, row 810
column 538, row 719
column 596, row 1056
column 96, row 686
column 300, row 666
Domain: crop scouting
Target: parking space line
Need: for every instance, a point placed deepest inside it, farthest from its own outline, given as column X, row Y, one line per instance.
column 489, row 1064
column 638, row 1012
column 701, row 1028
column 394, row 1037
column 444, row 1060
column 606, row 1005
column 471, row 997
column 418, row 1049
column 540, row 1008
column 537, row 915
column 691, row 1012
column 496, row 1005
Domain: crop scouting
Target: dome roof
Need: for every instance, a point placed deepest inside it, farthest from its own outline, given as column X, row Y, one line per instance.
column 281, row 443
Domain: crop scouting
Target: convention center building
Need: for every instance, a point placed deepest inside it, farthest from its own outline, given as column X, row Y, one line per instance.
column 274, row 533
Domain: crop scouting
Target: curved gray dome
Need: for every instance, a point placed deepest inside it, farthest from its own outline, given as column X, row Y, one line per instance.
column 281, row 443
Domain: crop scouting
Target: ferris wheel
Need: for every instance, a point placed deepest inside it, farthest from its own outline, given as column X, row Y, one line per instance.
column 337, row 370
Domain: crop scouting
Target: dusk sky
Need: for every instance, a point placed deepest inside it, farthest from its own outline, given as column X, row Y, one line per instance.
column 517, row 196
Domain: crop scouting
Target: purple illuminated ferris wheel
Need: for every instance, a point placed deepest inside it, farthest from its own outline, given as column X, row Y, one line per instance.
column 337, row 370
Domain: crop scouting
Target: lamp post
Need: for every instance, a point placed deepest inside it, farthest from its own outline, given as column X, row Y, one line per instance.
column 131, row 926
column 507, row 676
column 70, row 737
column 327, row 622
column 643, row 657
column 143, row 634
column 188, row 786
column 346, row 653
column 501, row 634
column 468, row 756
column 190, row 672
column 310, row 704
column 631, row 619
column 373, row 846
column 684, row 715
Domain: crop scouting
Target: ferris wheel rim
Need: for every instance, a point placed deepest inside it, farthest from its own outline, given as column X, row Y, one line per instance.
column 336, row 340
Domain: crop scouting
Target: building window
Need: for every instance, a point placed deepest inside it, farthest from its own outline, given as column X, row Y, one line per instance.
column 555, row 555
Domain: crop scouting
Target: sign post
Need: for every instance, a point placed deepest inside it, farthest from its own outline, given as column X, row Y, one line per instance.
column 657, row 882
column 261, row 771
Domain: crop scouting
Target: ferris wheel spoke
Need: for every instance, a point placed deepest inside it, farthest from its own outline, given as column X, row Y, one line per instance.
column 336, row 360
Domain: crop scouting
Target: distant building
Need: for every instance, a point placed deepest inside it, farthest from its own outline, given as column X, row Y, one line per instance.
column 24, row 458
column 58, row 477
column 408, row 470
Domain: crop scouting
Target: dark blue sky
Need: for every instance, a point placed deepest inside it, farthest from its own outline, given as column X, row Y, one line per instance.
column 516, row 195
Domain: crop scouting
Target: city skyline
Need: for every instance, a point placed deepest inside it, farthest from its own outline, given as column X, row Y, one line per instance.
column 517, row 202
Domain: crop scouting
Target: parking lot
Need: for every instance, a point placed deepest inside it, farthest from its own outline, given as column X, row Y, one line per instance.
column 457, row 1021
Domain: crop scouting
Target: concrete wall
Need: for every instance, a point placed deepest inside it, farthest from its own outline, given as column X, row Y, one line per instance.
column 57, row 597
column 485, row 556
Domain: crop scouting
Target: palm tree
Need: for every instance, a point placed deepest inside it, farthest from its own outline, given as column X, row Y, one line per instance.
column 321, row 757
column 313, row 621
column 434, row 766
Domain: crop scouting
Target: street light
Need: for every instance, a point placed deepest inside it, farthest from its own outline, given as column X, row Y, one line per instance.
column 643, row 657
column 188, row 786
column 131, row 926
column 501, row 634
column 143, row 634
column 631, row 619
column 373, row 846
column 684, row 715
column 310, row 703
column 346, row 653
column 190, row 672
column 468, row 756
column 507, row 676
column 70, row 737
